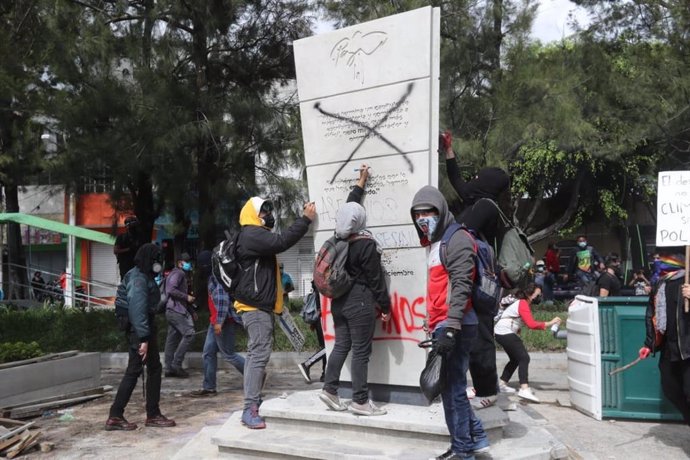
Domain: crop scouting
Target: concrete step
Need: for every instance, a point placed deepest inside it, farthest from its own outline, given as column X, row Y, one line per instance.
column 525, row 438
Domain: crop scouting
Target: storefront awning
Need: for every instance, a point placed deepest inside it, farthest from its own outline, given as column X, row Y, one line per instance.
column 58, row 227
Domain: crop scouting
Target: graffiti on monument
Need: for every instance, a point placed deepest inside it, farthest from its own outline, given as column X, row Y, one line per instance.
column 353, row 50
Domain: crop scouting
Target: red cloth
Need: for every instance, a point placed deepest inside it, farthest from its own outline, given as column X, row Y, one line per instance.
column 526, row 315
column 212, row 310
column 552, row 263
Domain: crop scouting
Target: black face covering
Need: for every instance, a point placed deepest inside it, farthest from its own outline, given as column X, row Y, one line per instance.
column 269, row 221
column 536, row 300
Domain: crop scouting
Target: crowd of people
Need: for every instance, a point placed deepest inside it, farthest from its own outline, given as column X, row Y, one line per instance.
column 465, row 335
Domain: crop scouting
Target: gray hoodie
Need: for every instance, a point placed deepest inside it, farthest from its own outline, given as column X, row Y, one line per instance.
column 350, row 219
column 460, row 266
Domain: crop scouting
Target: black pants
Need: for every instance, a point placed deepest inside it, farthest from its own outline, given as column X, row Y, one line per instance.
column 675, row 382
column 483, row 359
column 133, row 371
column 321, row 354
column 519, row 358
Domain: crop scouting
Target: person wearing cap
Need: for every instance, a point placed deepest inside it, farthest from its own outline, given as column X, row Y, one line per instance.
column 259, row 291
column 540, row 274
column 180, row 315
column 126, row 245
column 481, row 198
column 608, row 283
column 221, row 330
column 452, row 318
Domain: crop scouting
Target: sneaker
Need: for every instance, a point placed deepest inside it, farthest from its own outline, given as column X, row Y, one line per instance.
column 471, row 392
column 482, row 402
column 202, row 393
column 504, row 388
column 368, row 408
column 177, row 373
column 251, row 418
column 332, row 401
column 528, row 394
column 119, row 423
column 160, row 421
column 304, row 370
column 444, row 456
column 480, row 445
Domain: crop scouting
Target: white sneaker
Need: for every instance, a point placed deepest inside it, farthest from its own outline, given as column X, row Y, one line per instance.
column 528, row 394
column 332, row 401
column 482, row 402
column 471, row 392
column 368, row 408
column 504, row 388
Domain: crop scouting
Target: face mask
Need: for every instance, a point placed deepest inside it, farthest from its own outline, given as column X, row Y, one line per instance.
column 617, row 271
column 157, row 267
column 540, row 268
column 186, row 266
column 428, row 225
column 268, row 220
column 582, row 244
column 158, row 279
column 536, row 300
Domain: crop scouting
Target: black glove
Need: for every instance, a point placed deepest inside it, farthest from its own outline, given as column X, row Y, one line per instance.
column 445, row 343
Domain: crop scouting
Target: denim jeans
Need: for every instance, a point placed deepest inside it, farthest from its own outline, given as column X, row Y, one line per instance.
column 464, row 427
column 225, row 344
column 134, row 369
column 259, row 326
column 354, row 319
column 179, row 338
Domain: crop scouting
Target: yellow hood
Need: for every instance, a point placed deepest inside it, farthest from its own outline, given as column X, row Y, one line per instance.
column 249, row 215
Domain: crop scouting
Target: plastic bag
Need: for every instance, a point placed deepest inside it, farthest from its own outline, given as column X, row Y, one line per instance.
column 431, row 379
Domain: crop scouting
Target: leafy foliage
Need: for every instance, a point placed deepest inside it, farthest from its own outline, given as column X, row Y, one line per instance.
column 18, row 351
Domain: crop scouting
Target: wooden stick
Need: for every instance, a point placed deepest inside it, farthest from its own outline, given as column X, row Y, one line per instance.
column 687, row 275
column 624, row 368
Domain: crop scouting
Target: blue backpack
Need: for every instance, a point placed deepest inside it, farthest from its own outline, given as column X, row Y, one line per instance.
column 486, row 289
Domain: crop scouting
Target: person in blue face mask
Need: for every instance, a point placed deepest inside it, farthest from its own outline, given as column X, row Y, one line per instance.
column 584, row 263
column 179, row 311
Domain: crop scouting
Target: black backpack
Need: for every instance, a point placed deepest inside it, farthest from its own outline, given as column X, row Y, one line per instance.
column 224, row 263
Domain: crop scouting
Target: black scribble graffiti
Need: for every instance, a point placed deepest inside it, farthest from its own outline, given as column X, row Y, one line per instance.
column 371, row 130
column 355, row 47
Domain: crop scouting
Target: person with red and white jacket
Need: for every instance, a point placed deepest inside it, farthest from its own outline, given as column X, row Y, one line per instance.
column 507, row 330
column 450, row 316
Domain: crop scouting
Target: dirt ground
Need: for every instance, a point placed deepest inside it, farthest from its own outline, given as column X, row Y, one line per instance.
column 83, row 437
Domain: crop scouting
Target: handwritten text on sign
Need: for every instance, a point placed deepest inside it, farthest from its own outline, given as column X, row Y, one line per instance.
column 673, row 209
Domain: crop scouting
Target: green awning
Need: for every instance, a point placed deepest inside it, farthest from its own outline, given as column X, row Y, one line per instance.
column 58, row 227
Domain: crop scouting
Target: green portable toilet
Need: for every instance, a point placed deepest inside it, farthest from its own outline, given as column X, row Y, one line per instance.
column 604, row 334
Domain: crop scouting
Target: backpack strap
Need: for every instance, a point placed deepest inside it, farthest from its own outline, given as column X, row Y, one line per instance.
column 506, row 222
column 447, row 235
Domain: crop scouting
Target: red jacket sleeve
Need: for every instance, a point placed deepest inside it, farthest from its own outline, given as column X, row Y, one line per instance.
column 527, row 318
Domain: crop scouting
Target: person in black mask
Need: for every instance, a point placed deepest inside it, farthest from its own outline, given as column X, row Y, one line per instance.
column 259, row 291
column 143, row 297
column 126, row 245
column 481, row 198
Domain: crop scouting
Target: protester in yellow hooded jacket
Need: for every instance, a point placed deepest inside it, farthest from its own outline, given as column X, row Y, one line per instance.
column 258, row 293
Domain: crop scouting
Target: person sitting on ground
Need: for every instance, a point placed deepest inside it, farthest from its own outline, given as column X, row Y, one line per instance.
column 507, row 330
column 354, row 313
column 640, row 283
column 321, row 354
column 668, row 329
column 609, row 284
column 259, row 291
column 143, row 297
column 221, row 330
column 179, row 311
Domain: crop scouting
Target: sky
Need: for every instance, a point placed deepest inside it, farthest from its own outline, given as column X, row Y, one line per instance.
column 549, row 25
column 552, row 20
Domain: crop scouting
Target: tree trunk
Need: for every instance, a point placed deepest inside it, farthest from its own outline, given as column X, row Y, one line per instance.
column 142, row 201
column 17, row 279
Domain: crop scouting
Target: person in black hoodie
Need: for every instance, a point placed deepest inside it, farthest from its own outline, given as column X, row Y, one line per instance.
column 482, row 216
column 668, row 329
column 143, row 297
column 259, row 291
column 354, row 313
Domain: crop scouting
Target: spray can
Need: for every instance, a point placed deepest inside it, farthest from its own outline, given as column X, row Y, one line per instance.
column 554, row 329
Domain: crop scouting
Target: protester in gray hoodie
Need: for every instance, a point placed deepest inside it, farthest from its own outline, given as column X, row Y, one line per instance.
column 354, row 313
column 451, row 316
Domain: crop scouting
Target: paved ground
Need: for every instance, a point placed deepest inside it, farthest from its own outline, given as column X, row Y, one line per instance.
column 83, row 436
